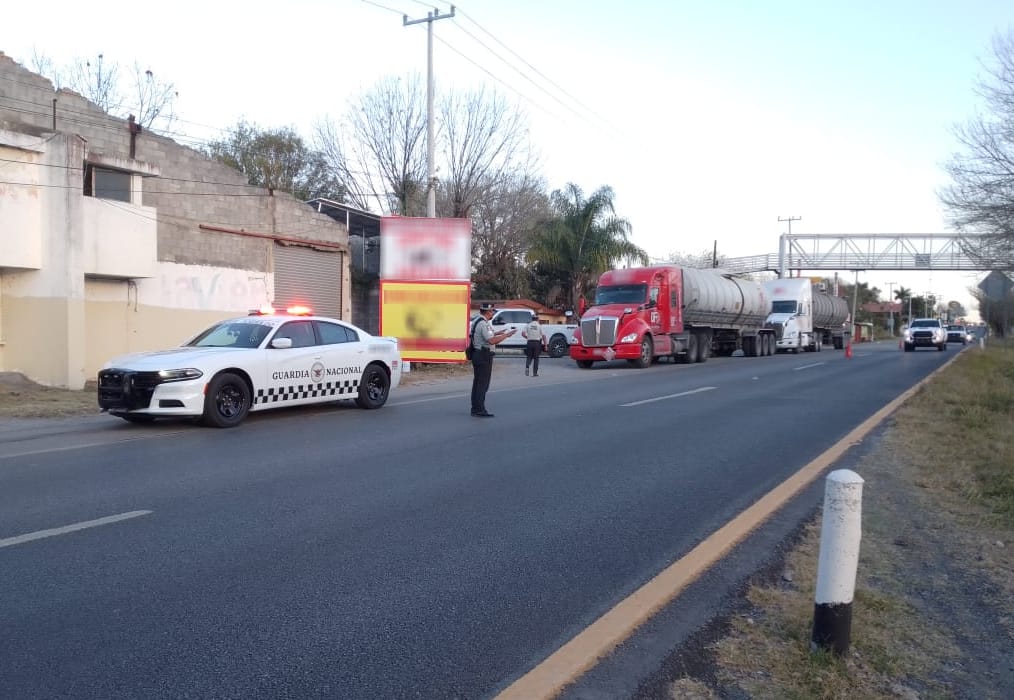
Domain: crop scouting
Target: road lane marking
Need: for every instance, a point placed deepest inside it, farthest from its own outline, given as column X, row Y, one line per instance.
column 579, row 655
column 815, row 364
column 53, row 532
column 670, row 396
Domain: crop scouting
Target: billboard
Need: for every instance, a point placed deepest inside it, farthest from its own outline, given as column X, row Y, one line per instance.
column 425, row 249
column 429, row 319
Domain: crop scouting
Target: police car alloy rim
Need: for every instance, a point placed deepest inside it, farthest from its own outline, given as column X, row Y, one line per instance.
column 229, row 401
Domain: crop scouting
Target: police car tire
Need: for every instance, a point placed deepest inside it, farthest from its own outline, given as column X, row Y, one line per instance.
column 226, row 382
column 373, row 388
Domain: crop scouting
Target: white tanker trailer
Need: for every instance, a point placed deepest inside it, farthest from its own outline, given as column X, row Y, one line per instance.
column 642, row 314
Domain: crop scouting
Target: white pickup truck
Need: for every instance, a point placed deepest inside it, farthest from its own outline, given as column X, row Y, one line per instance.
column 559, row 336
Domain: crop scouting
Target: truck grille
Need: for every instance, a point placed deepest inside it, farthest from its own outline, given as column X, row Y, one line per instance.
column 599, row 331
column 922, row 335
column 126, row 390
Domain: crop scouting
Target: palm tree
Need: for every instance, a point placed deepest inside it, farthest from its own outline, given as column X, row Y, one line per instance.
column 582, row 239
column 903, row 294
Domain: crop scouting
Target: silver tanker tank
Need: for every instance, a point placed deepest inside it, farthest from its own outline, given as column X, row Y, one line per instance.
column 829, row 311
column 720, row 300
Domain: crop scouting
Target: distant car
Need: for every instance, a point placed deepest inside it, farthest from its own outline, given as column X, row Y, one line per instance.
column 957, row 334
column 925, row 332
column 253, row 363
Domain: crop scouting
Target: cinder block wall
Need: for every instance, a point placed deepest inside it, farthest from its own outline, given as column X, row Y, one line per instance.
column 191, row 189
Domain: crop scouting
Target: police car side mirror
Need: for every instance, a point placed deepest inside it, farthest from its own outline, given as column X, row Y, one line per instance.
column 281, row 343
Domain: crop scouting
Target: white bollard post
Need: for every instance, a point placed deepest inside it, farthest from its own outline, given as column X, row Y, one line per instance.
column 838, row 562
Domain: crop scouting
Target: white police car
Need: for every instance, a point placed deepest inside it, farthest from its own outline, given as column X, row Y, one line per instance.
column 253, row 363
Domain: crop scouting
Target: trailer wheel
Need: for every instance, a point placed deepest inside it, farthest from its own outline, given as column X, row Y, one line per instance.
column 769, row 345
column 692, row 348
column 703, row 347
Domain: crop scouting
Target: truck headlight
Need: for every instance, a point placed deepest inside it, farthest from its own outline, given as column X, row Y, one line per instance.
column 179, row 375
column 629, row 338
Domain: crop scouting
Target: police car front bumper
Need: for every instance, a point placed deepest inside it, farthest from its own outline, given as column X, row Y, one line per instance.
column 125, row 391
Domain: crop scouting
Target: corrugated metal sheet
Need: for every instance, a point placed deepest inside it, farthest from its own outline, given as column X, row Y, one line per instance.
column 304, row 275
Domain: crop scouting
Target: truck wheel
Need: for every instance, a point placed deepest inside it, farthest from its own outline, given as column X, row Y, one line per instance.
column 692, row 348
column 819, row 343
column 647, row 354
column 374, row 387
column 226, row 402
column 558, row 346
column 942, row 347
column 703, row 348
column 584, row 364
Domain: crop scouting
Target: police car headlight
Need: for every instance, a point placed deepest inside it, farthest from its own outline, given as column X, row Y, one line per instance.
column 179, row 375
column 629, row 338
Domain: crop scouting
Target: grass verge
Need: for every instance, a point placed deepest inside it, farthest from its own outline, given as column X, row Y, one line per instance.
column 932, row 613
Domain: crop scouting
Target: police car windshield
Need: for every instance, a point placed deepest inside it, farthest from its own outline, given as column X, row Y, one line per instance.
column 231, row 335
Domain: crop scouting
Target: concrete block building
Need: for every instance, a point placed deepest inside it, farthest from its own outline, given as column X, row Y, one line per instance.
column 115, row 240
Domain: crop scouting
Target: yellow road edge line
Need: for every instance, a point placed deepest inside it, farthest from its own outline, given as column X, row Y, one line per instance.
column 580, row 654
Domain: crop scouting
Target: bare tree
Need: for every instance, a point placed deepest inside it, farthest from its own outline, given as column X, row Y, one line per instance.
column 504, row 222
column 97, row 81
column 485, row 145
column 155, row 99
column 706, row 258
column 347, row 164
column 389, row 128
column 981, row 199
column 152, row 100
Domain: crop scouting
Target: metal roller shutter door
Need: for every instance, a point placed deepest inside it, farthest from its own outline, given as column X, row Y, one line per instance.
column 304, row 275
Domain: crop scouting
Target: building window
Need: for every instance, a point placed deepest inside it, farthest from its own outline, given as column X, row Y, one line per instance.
column 107, row 184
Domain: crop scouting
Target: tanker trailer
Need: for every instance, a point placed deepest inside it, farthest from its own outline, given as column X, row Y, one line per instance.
column 830, row 314
column 733, row 308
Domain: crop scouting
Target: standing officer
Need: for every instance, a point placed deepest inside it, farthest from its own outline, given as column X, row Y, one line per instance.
column 483, row 339
column 533, row 348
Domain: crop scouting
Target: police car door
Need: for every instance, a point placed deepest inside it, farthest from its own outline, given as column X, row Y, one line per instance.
column 345, row 357
column 294, row 373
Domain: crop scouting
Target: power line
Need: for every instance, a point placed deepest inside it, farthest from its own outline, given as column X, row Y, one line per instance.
column 530, row 66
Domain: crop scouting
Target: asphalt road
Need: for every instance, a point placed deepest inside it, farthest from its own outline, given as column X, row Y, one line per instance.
column 413, row 551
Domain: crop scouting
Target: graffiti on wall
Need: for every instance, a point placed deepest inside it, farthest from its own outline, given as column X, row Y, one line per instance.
column 206, row 288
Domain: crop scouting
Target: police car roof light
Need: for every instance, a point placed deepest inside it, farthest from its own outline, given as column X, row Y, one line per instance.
column 265, row 310
column 299, row 310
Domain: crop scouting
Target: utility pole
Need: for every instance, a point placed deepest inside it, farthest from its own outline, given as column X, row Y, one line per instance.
column 890, row 300
column 431, row 192
column 781, row 245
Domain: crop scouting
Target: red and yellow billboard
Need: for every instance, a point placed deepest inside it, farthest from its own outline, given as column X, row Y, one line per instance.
column 429, row 319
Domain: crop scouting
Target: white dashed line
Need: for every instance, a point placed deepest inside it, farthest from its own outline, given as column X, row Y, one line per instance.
column 815, row 364
column 53, row 532
column 670, row 396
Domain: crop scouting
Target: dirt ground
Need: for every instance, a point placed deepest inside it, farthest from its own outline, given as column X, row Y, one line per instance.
column 22, row 398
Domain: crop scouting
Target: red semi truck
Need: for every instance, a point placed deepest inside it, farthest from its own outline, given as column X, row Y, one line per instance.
column 642, row 314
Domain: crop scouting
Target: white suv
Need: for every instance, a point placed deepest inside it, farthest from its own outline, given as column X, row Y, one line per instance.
column 924, row 333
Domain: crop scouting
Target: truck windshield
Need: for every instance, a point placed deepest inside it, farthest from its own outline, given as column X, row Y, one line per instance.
column 621, row 294
column 783, row 307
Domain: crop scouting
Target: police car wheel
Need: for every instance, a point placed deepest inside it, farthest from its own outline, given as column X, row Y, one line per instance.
column 226, row 402
column 373, row 388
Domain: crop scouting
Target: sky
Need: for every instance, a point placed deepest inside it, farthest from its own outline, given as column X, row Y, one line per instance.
column 709, row 120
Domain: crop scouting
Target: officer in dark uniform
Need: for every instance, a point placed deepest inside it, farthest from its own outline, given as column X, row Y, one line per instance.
column 483, row 339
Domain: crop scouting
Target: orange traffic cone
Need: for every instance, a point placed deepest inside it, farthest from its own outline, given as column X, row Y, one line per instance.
column 901, row 343
column 848, row 350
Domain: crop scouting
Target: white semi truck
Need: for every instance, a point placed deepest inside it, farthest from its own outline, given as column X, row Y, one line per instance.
column 804, row 316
